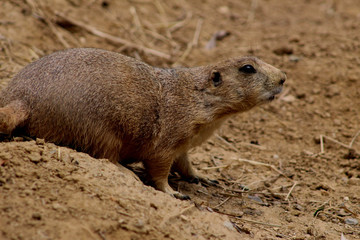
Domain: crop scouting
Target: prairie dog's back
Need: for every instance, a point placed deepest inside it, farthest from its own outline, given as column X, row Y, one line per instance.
column 83, row 94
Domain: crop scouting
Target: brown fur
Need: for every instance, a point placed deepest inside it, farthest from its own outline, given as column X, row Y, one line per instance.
column 113, row 106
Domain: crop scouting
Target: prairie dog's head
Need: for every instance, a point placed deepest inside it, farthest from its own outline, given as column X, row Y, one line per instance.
column 238, row 84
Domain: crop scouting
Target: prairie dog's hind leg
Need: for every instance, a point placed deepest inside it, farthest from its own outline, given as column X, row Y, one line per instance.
column 12, row 115
column 183, row 166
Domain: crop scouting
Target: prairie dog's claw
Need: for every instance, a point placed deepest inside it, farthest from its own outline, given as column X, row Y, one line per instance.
column 181, row 196
column 203, row 180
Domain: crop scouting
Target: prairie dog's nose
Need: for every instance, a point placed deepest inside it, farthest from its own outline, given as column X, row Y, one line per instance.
column 282, row 78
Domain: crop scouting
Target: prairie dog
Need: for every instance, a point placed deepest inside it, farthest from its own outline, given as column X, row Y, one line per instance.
column 113, row 106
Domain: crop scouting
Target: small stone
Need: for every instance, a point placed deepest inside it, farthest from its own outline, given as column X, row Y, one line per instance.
column 229, row 225
column 351, row 221
column 289, row 98
column 18, row 175
column 40, row 141
column 295, row 213
column 323, row 186
column 316, row 91
column 153, row 205
column 294, row 39
column 36, row 175
column 252, row 212
column 310, row 99
column 342, row 213
column 284, row 50
column 332, row 91
column 18, row 139
column 317, row 140
column 207, row 148
column 60, row 175
column 52, row 198
column 298, row 207
column 225, row 10
column 256, row 199
column 306, row 153
column 294, row 58
column 354, row 181
column 5, row 156
column 185, row 218
column 2, row 181
column 353, row 78
column 311, row 231
column 35, row 158
column 337, row 122
column 301, row 95
column 36, row 216
column 56, row 206
column 27, row 192
column 139, row 224
column 352, row 154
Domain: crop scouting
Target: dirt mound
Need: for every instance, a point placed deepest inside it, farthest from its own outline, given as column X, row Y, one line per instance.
column 287, row 170
column 55, row 192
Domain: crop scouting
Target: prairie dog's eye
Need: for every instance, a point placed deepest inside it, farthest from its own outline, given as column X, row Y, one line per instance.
column 247, row 69
column 216, row 78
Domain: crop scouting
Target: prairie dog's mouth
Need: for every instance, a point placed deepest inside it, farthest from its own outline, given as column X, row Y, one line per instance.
column 270, row 96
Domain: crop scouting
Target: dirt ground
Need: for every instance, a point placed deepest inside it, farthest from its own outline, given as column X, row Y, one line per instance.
column 279, row 178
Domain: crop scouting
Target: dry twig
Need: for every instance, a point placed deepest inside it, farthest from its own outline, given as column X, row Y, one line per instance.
column 251, row 16
column 216, row 167
column 354, row 138
column 234, row 148
column 321, row 144
column 160, row 37
column 322, row 137
column 59, row 153
column 177, row 214
column 181, row 23
column 192, row 43
column 227, row 143
column 236, row 216
column 222, row 203
column 6, row 49
column 231, row 195
column 261, row 164
column 162, row 12
column 257, row 222
column 195, row 40
column 138, row 23
column 36, row 8
column 112, row 38
column 291, row 189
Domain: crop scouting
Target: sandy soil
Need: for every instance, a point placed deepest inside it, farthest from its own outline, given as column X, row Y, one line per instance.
column 275, row 182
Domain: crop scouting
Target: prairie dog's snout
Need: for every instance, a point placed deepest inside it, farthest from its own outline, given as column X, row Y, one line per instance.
column 274, row 81
column 282, row 78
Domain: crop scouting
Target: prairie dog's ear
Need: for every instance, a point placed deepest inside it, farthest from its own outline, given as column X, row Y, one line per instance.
column 215, row 77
